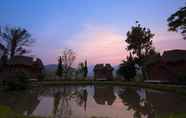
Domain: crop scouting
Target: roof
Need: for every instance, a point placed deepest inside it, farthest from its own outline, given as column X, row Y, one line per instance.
column 21, row 60
column 174, row 55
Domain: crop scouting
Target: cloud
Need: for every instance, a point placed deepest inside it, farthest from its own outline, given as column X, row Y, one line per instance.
column 98, row 44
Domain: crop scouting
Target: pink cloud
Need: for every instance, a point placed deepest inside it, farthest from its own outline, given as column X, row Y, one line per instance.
column 99, row 45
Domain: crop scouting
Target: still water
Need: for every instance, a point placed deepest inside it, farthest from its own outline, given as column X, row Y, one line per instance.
column 94, row 102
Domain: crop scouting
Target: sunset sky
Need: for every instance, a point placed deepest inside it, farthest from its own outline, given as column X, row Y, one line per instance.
column 94, row 29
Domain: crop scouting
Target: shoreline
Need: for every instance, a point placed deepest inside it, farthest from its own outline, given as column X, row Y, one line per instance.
column 162, row 87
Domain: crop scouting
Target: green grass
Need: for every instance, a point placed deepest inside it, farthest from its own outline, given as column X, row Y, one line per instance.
column 175, row 115
column 6, row 112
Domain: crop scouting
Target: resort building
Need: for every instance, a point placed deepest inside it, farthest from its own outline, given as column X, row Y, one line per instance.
column 22, row 64
column 103, row 72
column 168, row 68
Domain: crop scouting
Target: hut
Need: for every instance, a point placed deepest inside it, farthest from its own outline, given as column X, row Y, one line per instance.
column 166, row 68
column 103, row 72
column 22, row 64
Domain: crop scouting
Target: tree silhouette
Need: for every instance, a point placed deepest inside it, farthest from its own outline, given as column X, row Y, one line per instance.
column 127, row 68
column 59, row 71
column 68, row 57
column 83, row 69
column 139, row 41
column 177, row 21
column 16, row 40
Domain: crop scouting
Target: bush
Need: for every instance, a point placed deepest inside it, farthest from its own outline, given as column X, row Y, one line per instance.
column 181, row 77
column 127, row 70
column 21, row 81
column 6, row 112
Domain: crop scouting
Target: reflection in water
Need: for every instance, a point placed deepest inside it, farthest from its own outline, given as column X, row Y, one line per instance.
column 102, row 101
column 135, row 101
column 24, row 102
column 82, row 98
column 104, row 95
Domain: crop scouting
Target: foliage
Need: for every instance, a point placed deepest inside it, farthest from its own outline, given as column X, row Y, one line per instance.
column 177, row 21
column 181, row 77
column 6, row 112
column 42, row 76
column 15, row 40
column 59, row 71
column 127, row 69
column 139, row 40
column 21, row 81
column 83, row 69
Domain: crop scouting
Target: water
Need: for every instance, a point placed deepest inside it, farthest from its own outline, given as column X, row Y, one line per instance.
column 94, row 102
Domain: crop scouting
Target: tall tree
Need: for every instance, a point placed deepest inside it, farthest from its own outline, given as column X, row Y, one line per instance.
column 177, row 21
column 15, row 40
column 139, row 41
column 59, row 71
column 83, row 69
column 68, row 58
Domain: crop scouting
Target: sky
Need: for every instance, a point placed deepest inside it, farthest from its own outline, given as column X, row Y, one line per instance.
column 94, row 29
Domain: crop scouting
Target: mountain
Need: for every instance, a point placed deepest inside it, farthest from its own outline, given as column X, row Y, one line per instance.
column 51, row 67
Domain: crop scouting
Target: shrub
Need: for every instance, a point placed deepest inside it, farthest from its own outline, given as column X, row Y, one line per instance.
column 181, row 77
column 20, row 81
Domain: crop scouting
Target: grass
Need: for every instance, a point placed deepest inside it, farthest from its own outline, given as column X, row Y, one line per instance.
column 6, row 112
column 175, row 115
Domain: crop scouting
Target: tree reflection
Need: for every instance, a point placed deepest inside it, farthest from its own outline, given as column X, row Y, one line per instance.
column 137, row 102
column 81, row 98
column 63, row 99
column 23, row 102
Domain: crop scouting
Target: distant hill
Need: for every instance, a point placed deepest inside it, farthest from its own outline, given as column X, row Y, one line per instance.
column 52, row 68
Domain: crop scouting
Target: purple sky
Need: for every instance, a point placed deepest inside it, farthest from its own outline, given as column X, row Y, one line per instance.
column 94, row 29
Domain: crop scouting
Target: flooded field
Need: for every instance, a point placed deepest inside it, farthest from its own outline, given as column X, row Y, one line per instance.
column 94, row 102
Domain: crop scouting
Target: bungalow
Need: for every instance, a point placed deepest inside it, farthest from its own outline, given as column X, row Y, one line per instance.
column 103, row 72
column 24, row 64
column 166, row 68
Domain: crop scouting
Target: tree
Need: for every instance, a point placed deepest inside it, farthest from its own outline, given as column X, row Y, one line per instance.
column 139, row 41
column 127, row 68
column 83, row 69
column 68, row 57
column 177, row 21
column 16, row 40
column 59, row 71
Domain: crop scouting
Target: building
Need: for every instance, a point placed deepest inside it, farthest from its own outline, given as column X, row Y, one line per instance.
column 168, row 67
column 23, row 64
column 103, row 72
